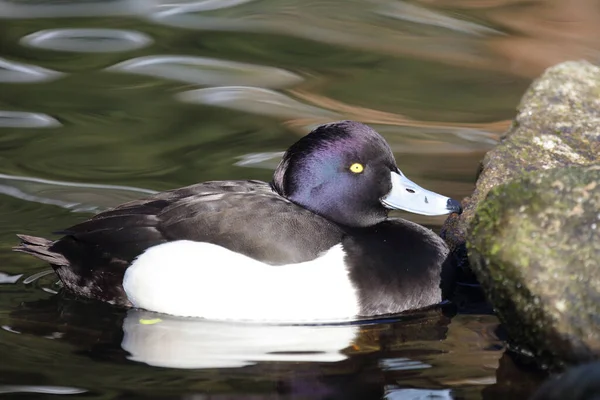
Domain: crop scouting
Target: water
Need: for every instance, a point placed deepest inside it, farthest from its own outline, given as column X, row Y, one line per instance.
column 105, row 101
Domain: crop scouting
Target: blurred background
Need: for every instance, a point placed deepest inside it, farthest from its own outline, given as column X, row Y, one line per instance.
column 106, row 101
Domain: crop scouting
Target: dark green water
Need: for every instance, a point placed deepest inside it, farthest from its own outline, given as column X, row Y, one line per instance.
column 104, row 101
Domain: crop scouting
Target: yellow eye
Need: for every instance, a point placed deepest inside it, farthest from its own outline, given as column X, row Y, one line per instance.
column 357, row 168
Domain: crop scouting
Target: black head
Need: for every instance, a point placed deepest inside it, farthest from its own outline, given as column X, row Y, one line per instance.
column 339, row 171
column 345, row 172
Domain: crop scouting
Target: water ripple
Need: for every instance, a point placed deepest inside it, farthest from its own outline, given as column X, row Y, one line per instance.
column 183, row 16
column 255, row 101
column 420, row 15
column 23, row 119
column 11, row 9
column 36, row 276
column 77, row 197
column 325, row 23
column 14, row 72
column 267, row 160
column 10, row 329
column 40, row 389
column 87, row 40
column 392, row 392
column 208, row 71
column 7, row 278
column 401, row 364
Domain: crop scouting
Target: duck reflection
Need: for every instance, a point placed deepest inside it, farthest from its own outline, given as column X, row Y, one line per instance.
column 167, row 341
column 178, row 342
column 370, row 359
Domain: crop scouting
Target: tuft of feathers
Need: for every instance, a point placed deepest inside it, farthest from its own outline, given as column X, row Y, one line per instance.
column 40, row 248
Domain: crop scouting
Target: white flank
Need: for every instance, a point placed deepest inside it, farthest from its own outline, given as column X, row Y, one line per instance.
column 195, row 279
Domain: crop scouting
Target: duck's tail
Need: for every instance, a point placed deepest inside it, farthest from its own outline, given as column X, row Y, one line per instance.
column 40, row 248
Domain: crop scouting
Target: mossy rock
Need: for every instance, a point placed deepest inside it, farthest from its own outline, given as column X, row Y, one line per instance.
column 558, row 124
column 578, row 383
column 534, row 245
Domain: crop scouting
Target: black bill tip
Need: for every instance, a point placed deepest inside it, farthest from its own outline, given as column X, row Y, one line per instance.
column 454, row 206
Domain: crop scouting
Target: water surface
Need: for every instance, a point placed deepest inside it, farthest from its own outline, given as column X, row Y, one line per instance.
column 106, row 101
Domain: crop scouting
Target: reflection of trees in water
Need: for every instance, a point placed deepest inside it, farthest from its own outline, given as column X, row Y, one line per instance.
column 372, row 116
column 541, row 33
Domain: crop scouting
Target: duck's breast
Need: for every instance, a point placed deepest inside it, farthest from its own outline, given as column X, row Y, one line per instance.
column 396, row 266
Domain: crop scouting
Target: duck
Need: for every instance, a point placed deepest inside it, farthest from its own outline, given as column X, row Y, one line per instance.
column 316, row 244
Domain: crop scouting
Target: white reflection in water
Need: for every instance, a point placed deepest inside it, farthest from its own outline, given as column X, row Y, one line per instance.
column 420, row 15
column 256, row 101
column 189, row 16
column 393, row 393
column 40, row 389
column 14, row 72
column 208, row 71
column 36, row 276
column 23, row 119
column 205, row 5
column 183, row 16
column 9, row 329
column 268, row 160
column 77, row 197
column 87, row 40
column 167, row 341
column 74, row 8
column 401, row 364
column 7, row 278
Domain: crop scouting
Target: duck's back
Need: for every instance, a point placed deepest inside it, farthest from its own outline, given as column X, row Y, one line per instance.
column 246, row 217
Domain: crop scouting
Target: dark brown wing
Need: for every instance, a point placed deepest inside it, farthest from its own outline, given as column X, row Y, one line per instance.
column 243, row 216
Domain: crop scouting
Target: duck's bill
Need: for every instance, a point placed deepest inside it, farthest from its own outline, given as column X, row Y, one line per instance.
column 408, row 196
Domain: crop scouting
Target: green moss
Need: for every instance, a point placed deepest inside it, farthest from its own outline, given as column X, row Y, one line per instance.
column 528, row 225
column 536, row 258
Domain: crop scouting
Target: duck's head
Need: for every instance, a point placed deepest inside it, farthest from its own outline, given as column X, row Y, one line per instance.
column 346, row 172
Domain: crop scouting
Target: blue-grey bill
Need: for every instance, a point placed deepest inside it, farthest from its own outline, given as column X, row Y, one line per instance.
column 408, row 196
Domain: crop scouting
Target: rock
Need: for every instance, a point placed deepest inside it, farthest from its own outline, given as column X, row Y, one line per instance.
column 534, row 245
column 580, row 383
column 532, row 225
column 558, row 124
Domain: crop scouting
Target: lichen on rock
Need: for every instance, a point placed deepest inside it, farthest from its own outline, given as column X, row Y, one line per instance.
column 557, row 125
column 532, row 223
column 534, row 244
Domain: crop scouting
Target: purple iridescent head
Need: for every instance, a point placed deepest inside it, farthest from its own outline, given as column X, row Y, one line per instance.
column 346, row 172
